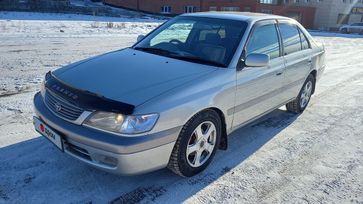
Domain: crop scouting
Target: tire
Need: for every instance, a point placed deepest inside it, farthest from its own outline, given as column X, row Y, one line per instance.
column 301, row 102
column 188, row 166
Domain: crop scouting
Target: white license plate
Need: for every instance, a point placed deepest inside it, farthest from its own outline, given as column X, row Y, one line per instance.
column 48, row 133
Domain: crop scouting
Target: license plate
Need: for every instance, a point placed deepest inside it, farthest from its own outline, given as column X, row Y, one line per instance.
column 47, row 132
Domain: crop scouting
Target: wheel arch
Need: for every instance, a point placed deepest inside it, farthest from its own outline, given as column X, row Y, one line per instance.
column 223, row 145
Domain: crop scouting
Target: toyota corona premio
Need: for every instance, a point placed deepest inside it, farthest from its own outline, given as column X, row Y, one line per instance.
column 171, row 99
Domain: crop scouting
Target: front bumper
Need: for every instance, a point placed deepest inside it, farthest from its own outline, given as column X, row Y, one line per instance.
column 110, row 152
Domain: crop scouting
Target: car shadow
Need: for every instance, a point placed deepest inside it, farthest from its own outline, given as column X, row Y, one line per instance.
column 34, row 170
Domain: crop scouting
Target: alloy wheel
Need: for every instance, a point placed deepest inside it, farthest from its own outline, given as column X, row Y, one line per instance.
column 201, row 144
column 306, row 94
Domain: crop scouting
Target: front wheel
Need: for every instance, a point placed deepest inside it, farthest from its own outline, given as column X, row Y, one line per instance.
column 196, row 144
column 301, row 102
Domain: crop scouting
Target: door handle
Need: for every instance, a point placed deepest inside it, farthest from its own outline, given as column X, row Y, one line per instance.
column 278, row 73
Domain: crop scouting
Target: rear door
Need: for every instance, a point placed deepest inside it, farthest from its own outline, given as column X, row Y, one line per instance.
column 258, row 89
column 297, row 55
column 354, row 28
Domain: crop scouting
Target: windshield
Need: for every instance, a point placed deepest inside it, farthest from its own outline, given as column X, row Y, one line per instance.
column 197, row 39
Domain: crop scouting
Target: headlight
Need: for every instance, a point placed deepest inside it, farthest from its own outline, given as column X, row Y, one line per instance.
column 139, row 123
column 106, row 121
column 119, row 123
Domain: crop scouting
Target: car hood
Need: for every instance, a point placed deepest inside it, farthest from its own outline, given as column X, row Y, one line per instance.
column 130, row 76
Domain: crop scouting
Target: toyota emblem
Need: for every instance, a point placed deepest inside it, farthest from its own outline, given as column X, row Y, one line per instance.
column 58, row 107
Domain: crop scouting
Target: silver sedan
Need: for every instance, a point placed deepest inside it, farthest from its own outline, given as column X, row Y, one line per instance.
column 171, row 99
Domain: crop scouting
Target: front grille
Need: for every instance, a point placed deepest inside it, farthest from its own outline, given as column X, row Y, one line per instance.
column 61, row 107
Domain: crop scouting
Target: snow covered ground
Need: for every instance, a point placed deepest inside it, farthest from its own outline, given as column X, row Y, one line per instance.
column 316, row 157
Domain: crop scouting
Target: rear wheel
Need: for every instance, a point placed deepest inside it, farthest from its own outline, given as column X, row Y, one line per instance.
column 301, row 102
column 196, row 144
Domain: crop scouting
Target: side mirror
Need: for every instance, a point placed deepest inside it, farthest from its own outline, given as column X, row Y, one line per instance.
column 257, row 60
column 140, row 37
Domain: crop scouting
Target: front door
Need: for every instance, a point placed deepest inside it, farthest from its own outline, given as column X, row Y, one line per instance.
column 258, row 89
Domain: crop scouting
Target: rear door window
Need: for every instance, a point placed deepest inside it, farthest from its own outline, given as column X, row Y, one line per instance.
column 290, row 38
column 220, row 31
column 264, row 40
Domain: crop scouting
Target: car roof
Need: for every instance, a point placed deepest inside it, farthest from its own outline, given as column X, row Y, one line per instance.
column 243, row 16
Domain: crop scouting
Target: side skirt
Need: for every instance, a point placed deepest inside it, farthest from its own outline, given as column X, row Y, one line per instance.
column 258, row 117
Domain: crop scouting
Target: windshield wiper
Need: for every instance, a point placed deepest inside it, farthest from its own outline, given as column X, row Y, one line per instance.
column 155, row 50
column 198, row 60
column 175, row 55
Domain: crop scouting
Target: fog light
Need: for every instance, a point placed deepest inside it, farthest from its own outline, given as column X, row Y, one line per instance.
column 106, row 160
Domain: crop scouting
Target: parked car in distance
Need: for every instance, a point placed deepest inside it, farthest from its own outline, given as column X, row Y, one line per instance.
column 352, row 28
column 171, row 99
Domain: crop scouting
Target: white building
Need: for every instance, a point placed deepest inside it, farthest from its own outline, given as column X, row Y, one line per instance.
column 331, row 14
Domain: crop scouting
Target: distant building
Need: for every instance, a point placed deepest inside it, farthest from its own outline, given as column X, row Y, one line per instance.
column 331, row 14
column 33, row 4
column 304, row 14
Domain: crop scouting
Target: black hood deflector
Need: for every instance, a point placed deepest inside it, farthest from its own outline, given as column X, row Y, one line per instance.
column 85, row 99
